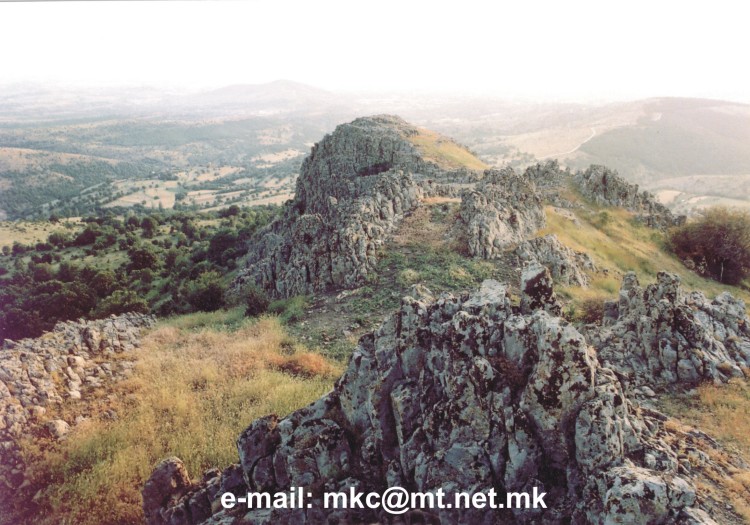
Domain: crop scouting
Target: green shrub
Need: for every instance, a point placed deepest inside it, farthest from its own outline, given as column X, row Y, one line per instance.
column 590, row 310
column 717, row 244
column 120, row 302
column 256, row 302
column 206, row 293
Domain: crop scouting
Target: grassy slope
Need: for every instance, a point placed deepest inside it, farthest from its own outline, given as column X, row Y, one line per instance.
column 445, row 152
column 619, row 244
column 200, row 380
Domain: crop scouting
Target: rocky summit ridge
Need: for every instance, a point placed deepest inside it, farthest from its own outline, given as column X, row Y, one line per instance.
column 471, row 392
column 360, row 181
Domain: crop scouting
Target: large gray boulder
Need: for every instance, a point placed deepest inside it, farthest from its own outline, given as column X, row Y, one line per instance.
column 566, row 266
column 504, row 209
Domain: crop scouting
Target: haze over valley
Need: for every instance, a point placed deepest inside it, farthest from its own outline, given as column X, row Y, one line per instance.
column 68, row 152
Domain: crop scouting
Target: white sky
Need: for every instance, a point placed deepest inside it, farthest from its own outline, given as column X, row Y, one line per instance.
column 532, row 49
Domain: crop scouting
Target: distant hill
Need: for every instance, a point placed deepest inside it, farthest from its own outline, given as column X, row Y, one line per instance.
column 680, row 137
column 273, row 97
column 691, row 152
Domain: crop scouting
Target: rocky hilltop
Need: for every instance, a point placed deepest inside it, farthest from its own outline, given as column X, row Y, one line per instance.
column 468, row 393
column 605, row 186
column 353, row 189
column 38, row 376
column 359, row 182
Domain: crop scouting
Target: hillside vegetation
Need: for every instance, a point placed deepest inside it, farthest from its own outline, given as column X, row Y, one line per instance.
column 619, row 244
column 162, row 263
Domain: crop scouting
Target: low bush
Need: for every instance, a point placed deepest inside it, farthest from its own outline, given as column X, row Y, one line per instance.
column 716, row 244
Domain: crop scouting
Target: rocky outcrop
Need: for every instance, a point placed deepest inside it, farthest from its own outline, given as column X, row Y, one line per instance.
column 62, row 366
column 604, row 186
column 467, row 393
column 567, row 266
column 659, row 335
column 354, row 188
column 549, row 179
column 503, row 209
column 537, row 290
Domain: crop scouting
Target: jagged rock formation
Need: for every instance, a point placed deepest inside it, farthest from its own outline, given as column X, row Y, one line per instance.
column 659, row 335
column 605, row 186
column 354, row 188
column 502, row 210
column 537, row 290
column 549, row 179
column 567, row 266
column 468, row 393
column 61, row 366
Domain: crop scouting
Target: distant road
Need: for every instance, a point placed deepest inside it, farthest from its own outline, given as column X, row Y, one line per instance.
column 593, row 134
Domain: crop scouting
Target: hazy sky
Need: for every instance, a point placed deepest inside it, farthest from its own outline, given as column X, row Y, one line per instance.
column 532, row 49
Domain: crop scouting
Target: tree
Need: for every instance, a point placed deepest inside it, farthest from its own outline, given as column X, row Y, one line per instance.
column 206, row 293
column 221, row 247
column 717, row 244
column 149, row 225
column 142, row 257
column 256, row 302
column 87, row 236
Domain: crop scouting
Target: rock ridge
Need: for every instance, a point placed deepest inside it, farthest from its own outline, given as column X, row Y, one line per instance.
column 469, row 393
column 504, row 209
column 660, row 335
column 604, row 186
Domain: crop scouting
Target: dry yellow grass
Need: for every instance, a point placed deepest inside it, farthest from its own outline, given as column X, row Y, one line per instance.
column 31, row 232
column 193, row 391
column 445, row 152
column 723, row 412
column 618, row 244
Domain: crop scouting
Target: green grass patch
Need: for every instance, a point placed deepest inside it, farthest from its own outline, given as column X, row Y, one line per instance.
column 289, row 310
column 437, row 269
column 220, row 320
